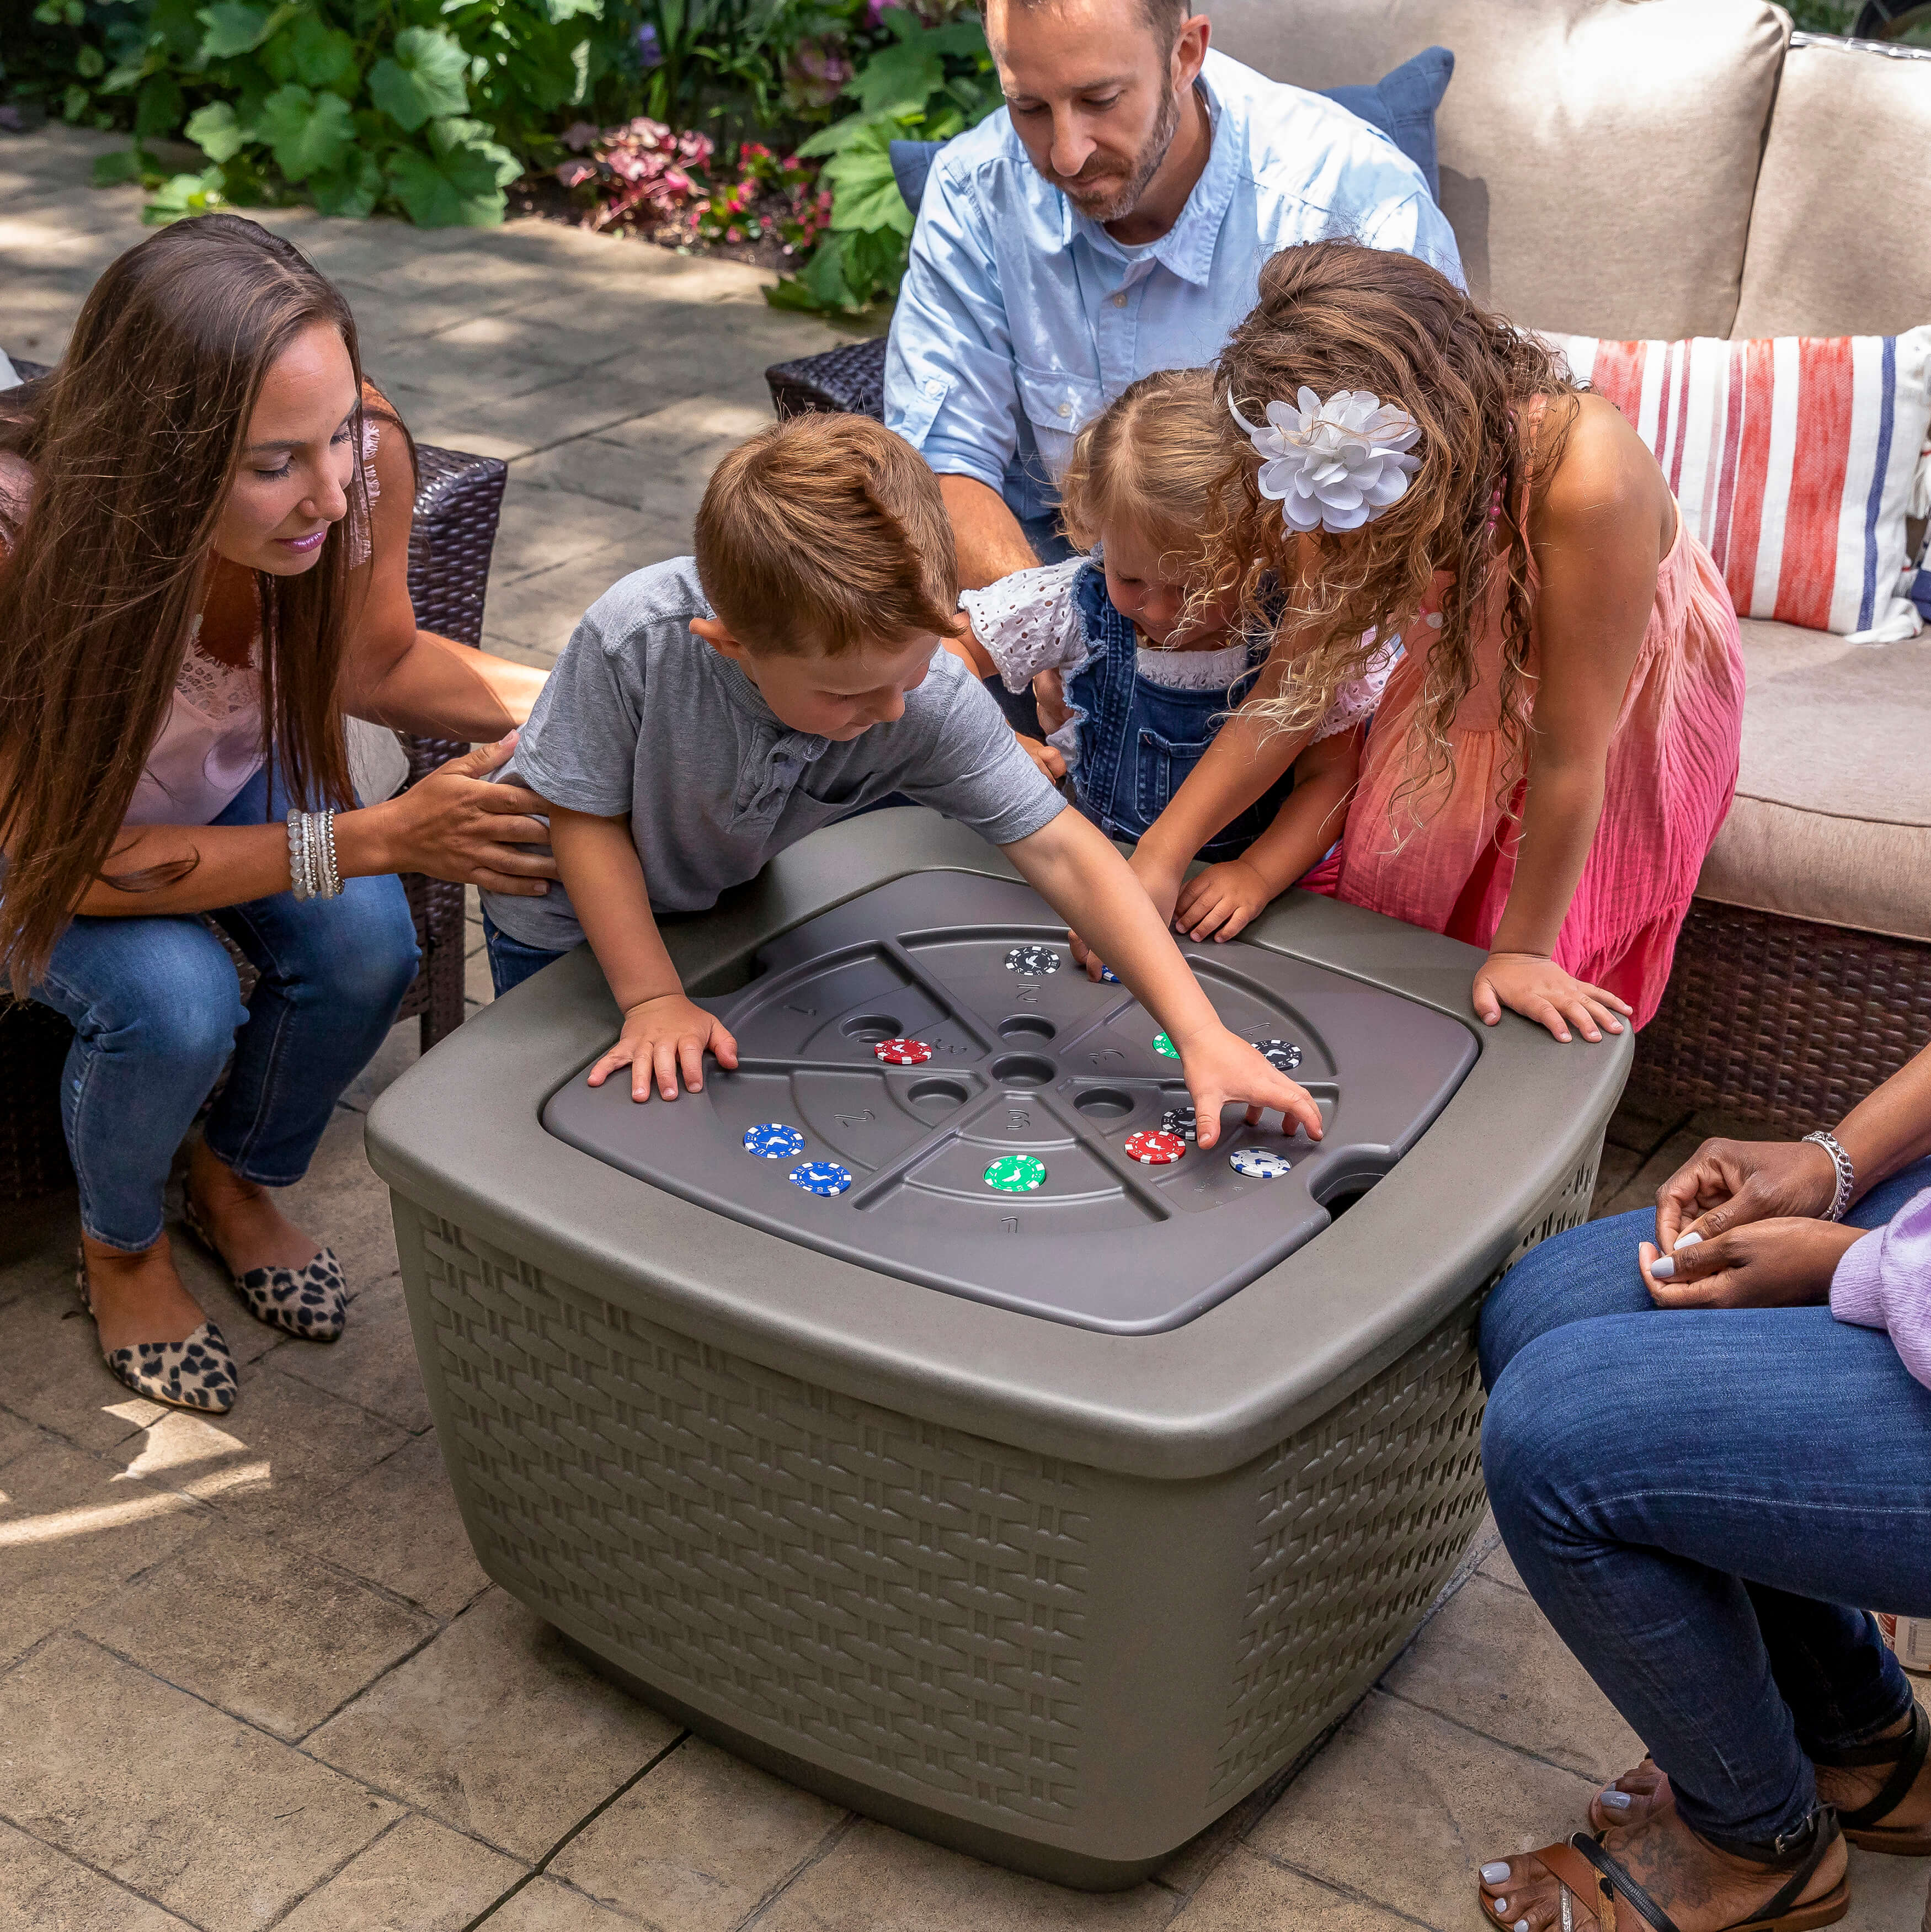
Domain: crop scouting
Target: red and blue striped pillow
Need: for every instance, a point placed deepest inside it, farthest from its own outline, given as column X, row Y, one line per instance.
column 1792, row 459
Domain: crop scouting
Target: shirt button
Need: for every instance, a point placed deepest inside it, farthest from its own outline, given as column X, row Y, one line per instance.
column 932, row 388
column 1119, row 300
column 1065, row 408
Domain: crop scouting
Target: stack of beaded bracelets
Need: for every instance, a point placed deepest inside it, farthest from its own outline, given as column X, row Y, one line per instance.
column 311, row 855
column 1847, row 1176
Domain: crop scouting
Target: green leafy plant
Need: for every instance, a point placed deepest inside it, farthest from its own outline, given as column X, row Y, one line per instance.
column 924, row 83
column 426, row 108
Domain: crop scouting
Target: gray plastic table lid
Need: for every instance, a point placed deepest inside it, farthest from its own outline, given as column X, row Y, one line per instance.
column 1043, row 1063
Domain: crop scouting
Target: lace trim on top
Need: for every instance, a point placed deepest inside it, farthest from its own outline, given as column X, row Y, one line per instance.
column 1196, row 671
column 217, row 690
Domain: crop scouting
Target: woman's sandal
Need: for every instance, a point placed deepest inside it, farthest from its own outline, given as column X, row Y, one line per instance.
column 1590, row 1876
column 311, row 1301
column 1905, row 1753
column 197, row 1373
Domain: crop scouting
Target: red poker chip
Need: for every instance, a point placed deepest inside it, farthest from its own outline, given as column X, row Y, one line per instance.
column 903, row 1052
column 1152, row 1148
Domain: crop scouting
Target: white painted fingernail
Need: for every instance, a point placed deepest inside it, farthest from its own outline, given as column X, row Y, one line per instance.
column 1494, row 1874
column 1688, row 1240
column 1521, row 1925
column 1616, row 1800
column 1662, row 1269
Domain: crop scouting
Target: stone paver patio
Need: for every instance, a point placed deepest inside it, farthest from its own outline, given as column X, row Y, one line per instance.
column 250, row 1673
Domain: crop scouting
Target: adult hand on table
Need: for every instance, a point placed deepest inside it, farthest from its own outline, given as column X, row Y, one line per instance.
column 1727, row 1184
column 1785, row 1262
column 455, row 825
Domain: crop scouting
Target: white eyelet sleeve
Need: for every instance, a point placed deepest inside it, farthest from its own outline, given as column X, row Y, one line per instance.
column 1028, row 623
column 1357, row 700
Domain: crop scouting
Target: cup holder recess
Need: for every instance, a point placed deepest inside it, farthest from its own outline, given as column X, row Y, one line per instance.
column 868, row 1029
column 938, row 1096
column 1024, row 1069
column 1104, row 1103
column 1025, row 1028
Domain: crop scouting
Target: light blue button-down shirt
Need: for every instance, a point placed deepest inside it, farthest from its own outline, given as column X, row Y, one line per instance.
column 1020, row 319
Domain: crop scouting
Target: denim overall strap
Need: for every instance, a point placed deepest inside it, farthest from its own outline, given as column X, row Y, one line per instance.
column 1138, row 740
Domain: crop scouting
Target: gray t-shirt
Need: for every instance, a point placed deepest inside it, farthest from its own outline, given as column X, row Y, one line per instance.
column 640, row 716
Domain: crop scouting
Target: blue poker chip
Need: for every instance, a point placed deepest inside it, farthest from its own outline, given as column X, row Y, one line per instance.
column 1108, row 974
column 820, row 1177
column 773, row 1140
column 1259, row 1163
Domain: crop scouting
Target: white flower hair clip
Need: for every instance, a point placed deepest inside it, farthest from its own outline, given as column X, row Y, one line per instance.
column 1334, row 465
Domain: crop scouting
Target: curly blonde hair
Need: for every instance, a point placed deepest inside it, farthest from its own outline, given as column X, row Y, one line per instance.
column 1150, row 463
column 1338, row 315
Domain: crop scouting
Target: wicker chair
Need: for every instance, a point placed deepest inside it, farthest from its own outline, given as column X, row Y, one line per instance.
column 457, row 502
column 847, row 381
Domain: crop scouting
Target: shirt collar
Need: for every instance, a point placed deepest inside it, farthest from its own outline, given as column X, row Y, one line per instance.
column 1187, row 249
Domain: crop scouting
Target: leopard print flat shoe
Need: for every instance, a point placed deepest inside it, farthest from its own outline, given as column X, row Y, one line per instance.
column 198, row 1373
column 311, row 1301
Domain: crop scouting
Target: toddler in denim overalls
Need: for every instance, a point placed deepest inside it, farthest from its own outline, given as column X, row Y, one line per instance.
column 1146, row 675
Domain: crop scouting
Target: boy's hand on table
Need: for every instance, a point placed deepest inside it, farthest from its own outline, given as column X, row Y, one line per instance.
column 1220, row 1067
column 1535, row 986
column 661, row 1038
column 1221, row 901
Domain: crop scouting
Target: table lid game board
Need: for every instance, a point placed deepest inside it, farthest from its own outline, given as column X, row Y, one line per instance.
column 930, row 1087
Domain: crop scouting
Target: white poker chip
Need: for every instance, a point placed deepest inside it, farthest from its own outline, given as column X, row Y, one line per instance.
column 1259, row 1163
column 1033, row 959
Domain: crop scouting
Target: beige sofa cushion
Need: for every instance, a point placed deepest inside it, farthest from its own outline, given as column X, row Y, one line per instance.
column 1833, row 816
column 1840, row 238
column 1598, row 157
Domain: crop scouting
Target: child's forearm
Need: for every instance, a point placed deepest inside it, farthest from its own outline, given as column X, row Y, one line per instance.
column 604, row 876
column 1074, row 868
column 1559, row 812
column 1309, row 820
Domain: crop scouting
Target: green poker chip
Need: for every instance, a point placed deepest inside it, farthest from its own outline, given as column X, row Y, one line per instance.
column 1161, row 1044
column 1015, row 1174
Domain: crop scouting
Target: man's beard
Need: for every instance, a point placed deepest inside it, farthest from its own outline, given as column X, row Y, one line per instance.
column 1123, row 200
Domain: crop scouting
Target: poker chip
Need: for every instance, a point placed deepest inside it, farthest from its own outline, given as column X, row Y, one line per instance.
column 1179, row 1121
column 1152, row 1147
column 1281, row 1054
column 773, row 1140
column 820, row 1177
column 1161, row 1044
column 1015, row 1174
column 1033, row 959
column 903, row 1052
column 1259, row 1163
column 1108, row 974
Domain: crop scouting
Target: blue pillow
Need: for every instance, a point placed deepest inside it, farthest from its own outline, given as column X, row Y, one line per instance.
column 1401, row 105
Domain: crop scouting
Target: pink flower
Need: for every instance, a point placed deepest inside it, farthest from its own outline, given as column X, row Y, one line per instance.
column 571, row 172
column 582, row 134
column 733, row 233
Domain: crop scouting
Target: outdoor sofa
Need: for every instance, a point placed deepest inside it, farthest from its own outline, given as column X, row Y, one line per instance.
column 458, row 497
column 1662, row 170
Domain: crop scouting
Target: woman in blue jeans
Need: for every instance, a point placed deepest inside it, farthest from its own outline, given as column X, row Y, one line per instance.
column 204, row 537
column 1708, row 1445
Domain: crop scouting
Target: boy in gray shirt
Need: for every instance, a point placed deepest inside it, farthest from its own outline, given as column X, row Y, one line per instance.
column 710, row 711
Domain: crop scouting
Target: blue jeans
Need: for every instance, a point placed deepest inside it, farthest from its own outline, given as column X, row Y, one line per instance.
column 1704, row 1502
column 511, row 961
column 155, row 1008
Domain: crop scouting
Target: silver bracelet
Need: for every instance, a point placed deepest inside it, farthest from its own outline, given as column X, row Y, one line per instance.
column 329, row 878
column 312, row 872
column 1847, row 1175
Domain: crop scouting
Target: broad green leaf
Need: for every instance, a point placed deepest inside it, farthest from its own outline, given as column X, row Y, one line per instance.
column 896, row 80
column 864, row 192
column 124, row 79
column 175, row 30
column 308, row 133
column 460, row 186
column 424, row 78
column 353, row 190
column 184, row 194
column 111, row 170
column 557, row 11
column 842, row 134
column 233, row 27
column 216, row 131
column 157, row 110
column 449, row 139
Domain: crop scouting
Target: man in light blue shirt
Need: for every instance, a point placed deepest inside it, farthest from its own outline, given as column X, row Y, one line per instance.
column 1111, row 222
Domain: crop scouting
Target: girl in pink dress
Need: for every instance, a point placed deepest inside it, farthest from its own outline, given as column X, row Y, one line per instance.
column 1558, row 746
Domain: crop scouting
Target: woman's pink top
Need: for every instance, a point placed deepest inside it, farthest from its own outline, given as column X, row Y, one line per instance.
column 1671, row 773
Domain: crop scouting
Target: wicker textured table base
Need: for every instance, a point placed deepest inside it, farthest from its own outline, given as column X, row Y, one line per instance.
column 1781, row 1022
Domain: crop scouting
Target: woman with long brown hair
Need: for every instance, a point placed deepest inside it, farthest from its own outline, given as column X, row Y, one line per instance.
column 204, row 533
column 1558, row 746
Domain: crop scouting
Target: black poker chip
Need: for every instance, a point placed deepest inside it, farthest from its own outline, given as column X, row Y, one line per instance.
column 1179, row 1121
column 1281, row 1054
column 1033, row 959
